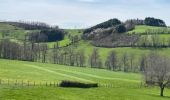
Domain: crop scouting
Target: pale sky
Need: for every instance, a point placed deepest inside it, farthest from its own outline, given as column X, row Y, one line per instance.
column 82, row 13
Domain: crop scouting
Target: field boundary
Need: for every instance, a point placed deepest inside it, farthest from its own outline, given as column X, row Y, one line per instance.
column 28, row 83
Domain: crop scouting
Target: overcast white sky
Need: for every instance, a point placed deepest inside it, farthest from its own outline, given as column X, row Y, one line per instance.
column 82, row 13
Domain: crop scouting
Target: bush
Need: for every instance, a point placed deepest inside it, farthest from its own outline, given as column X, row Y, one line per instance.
column 77, row 84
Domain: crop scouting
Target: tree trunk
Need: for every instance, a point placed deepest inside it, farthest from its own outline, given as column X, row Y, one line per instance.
column 162, row 91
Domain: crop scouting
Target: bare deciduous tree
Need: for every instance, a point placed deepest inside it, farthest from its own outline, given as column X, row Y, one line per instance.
column 94, row 59
column 44, row 49
column 111, row 61
column 157, row 71
column 125, row 59
column 131, row 58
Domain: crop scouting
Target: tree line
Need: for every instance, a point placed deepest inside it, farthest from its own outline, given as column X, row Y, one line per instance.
column 40, row 52
column 30, row 25
column 23, row 51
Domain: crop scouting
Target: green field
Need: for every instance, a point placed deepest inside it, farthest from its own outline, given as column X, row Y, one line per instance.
column 112, row 85
column 143, row 28
column 12, row 31
column 126, row 86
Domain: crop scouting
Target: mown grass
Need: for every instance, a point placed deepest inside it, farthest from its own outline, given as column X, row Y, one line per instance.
column 126, row 85
column 101, row 93
column 19, row 70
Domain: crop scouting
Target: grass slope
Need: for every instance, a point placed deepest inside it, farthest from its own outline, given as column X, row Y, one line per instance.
column 126, row 84
column 143, row 28
column 12, row 31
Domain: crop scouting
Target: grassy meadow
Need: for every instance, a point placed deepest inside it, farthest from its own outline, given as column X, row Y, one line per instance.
column 126, row 86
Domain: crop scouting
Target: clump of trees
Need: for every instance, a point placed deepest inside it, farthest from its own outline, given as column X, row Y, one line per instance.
column 120, row 28
column 156, row 70
column 50, row 35
column 68, row 56
column 154, row 22
column 107, row 24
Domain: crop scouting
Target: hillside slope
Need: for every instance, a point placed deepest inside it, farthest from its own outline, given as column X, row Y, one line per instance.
column 125, row 85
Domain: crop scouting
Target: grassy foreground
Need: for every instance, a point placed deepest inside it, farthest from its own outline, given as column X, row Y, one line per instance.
column 126, row 85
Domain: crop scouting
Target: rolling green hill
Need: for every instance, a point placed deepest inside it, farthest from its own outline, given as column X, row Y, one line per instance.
column 13, row 32
column 126, row 86
column 113, row 85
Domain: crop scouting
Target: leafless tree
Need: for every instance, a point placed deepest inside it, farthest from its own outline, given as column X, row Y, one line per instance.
column 55, row 53
column 44, row 49
column 143, row 63
column 80, row 58
column 131, row 59
column 157, row 71
column 71, row 56
column 94, row 59
column 125, row 60
column 111, row 61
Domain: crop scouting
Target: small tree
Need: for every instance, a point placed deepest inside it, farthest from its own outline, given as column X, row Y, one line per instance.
column 157, row 71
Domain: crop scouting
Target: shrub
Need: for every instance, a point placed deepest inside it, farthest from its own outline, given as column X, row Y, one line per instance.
column 77, row 84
